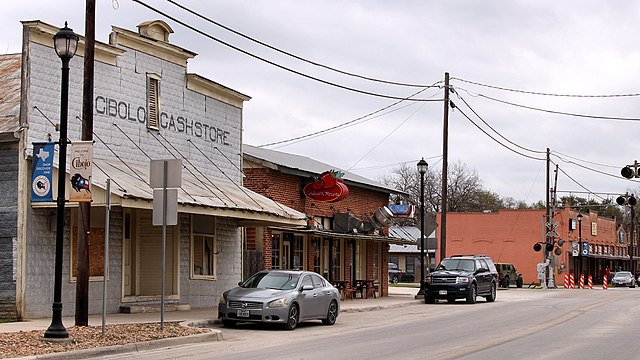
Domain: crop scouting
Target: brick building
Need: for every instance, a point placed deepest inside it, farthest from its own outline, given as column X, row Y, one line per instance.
column 341, row 240
column 147, row 106
column 508, row 236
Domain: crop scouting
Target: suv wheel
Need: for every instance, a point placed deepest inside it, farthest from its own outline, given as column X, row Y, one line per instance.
column 473, row 292
column 519, row 282
column 492, row 295
column 505, row 281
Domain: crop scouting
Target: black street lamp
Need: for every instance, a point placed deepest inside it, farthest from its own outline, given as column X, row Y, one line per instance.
column 422, row 169
column 65, row 43
column 579, row 244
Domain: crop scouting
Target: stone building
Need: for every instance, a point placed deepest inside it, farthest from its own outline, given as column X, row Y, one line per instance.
column 147, row 106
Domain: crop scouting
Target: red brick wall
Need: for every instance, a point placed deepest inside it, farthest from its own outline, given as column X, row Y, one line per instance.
column 508, row 236
column 287, row 190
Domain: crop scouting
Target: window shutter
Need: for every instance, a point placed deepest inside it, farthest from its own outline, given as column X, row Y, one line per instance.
column 152, row 92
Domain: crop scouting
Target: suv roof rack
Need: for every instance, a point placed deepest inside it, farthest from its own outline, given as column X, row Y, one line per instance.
column 471, row 255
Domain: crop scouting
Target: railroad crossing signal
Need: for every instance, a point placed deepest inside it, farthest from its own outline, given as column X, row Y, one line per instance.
column 552, row 232
column 631, row 171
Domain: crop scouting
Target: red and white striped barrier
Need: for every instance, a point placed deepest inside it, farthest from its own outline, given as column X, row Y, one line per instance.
column 566, row 281
column 590, row 282
column 572, row 282
column 605, row 283
column 581, row 281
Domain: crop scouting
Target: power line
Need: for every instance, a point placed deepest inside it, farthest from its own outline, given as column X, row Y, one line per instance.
column 494, row 139
column 546, row 93
column 393, row 164
column 494, row 130
column 293, row 55
column 274, row 63
column 588, row 168
column 575, row 181
column 386, row 137
column 586, row 161
column 559, row 112
column 349, row 123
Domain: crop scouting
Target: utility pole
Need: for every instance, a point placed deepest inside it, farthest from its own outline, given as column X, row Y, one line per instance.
column 84, row 208
column 445, row 166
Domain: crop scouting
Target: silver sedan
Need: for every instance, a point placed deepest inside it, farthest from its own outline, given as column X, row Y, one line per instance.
column 282, row 297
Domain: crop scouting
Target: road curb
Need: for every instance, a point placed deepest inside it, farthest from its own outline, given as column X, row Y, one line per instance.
column 379, row 307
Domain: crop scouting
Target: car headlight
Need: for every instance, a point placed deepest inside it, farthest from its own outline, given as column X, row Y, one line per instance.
column 279, row 303
column 222, row 300
column 427, row 279
column 462, row 280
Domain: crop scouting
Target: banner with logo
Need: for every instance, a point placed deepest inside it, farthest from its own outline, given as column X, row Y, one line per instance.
column 41, row 174
column 80, row 170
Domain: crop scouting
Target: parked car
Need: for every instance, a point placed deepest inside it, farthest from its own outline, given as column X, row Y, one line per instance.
column 508, row 275
column 623, row 278
column 284, row 297
column 394, row 273
column 462, row 277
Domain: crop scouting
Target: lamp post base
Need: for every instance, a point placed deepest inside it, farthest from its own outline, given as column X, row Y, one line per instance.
column 56, row 331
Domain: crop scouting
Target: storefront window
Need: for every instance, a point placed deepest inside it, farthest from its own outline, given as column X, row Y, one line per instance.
column 317, row 260
column 297, row 248
column 275, row 251
column 203, row 246
column 336, row 264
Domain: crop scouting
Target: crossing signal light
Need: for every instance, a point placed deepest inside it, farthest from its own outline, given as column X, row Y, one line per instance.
column 537, row 247
column 627, row 172
column 626, row 200
column 631, row 171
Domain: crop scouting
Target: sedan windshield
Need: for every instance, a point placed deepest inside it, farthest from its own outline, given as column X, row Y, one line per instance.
column 457, row 264
column 272, row 280
column 622, row 275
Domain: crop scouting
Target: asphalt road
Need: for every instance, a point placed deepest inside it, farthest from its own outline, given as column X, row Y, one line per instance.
column 521, row 324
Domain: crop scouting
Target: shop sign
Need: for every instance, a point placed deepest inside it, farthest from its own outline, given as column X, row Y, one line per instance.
column 80, row 170
column 41, row 179
column 328, row 187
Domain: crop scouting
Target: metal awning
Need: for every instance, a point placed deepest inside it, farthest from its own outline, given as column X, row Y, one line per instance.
column 202, row 195
column 332, row 234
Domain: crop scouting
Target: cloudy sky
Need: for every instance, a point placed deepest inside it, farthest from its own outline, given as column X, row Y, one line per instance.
column 508, row 61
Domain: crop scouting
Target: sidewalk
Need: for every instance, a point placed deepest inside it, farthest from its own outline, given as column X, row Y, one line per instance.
column 398, row 297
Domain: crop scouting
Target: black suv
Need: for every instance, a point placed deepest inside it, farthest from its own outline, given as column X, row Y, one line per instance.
column 462, row 277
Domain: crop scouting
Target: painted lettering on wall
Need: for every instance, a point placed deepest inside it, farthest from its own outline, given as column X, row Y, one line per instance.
column 179, row 124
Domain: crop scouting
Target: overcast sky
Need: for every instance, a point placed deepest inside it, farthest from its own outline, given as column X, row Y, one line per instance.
column 550, row 47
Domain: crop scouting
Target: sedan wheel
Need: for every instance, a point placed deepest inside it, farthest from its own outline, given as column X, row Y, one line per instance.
column 332, row 314
column 395, row 279
column 292, row 319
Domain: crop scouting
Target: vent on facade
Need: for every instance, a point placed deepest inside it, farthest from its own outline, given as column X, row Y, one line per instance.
column 380, row 219
column 346, row 223
column 153, row 102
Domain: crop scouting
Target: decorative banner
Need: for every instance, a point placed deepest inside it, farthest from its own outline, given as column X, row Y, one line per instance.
column 80, row 170
column 329, row 187
column 41, row 174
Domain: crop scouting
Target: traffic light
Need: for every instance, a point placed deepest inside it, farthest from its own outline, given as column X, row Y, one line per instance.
column 631, row 171
column 626, row 200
